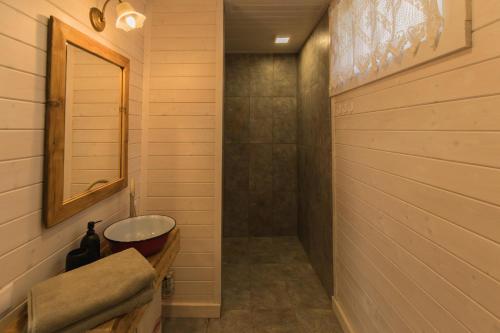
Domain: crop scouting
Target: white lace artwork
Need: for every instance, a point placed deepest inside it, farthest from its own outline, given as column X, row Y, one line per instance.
column 368, row 35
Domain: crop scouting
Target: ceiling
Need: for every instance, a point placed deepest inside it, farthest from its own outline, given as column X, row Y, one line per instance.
column 252, row 25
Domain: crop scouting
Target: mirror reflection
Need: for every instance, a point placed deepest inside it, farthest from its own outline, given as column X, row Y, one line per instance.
column 92, row 148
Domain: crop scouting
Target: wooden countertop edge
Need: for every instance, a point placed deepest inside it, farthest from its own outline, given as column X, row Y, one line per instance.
column 17, row 320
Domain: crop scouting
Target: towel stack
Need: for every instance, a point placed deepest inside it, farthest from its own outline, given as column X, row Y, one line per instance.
column 86, row 297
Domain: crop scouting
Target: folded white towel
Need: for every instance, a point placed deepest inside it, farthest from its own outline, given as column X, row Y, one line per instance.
column 91, row 294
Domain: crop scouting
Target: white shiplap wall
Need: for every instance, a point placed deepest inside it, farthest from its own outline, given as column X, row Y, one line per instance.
column 417, row 174
column 30, row 253
column 183, row 146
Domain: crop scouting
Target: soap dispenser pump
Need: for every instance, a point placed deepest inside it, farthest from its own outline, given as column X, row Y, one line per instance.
column 91, row 242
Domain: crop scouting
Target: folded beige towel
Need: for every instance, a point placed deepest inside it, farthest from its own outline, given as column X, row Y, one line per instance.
column 91, row 294
column 115, row 311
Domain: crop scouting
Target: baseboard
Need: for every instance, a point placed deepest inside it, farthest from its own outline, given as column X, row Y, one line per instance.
column 344, row 321
column 191, row 310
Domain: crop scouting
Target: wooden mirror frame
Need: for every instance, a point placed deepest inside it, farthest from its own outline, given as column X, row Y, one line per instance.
column 55, row 208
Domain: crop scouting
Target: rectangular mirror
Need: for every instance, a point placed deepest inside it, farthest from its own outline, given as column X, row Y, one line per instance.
column 86, row 127
column 92, row 146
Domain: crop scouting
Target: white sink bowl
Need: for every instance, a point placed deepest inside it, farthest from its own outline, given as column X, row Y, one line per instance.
column 147, row 234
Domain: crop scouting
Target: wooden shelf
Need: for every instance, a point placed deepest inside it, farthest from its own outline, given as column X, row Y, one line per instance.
column 17, row 321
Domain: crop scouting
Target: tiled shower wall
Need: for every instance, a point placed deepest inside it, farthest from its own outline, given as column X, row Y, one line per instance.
column 315, row 154
column 260, row 150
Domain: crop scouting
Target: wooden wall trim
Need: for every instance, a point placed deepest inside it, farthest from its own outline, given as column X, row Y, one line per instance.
column 341, row 316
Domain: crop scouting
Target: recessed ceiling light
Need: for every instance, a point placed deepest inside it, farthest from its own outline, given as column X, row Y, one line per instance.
column 282, row 40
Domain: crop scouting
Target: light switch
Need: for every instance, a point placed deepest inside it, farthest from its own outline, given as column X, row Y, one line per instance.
column 6, row 298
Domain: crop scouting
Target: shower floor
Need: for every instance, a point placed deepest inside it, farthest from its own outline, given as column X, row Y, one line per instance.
column 268, row 285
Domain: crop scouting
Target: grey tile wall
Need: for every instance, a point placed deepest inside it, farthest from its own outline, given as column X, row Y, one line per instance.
column 315, row 154
column 260, row 145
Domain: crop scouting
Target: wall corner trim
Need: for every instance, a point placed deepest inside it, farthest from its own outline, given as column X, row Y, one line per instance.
column 191, row 310
column 344, row 321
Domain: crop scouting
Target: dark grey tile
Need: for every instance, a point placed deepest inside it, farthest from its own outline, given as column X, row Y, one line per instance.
column 236, row 287
column 232, row 321
column 260, row 243
column 275, row 321
column 235, row 210
column 235, row 250
column 280, row 251
column 236, row 166
column 261, row 167
column 284, row 106
column 261, row 107
column 261, row 251
column 315, row 152
column 300, row 271
column 317, row 321
column 285, row 213
column 256, row 119
column 284, row 120
column 286, row 243
column 285, row 87
column 261, row 75
column 237, row 81
column 303, row 196
column 285, row 65
column 236, row 119
column 306, row 129
column 290, row 254
column 264, row 274
column 236, row 298
column 284, row 167
column 285, row 76
column 323, row 267
column 325, row 122
column 308, row 294
column 236, row 276
column 271, row 295
column 261, row 130
column 260, row 214
column 185, row 325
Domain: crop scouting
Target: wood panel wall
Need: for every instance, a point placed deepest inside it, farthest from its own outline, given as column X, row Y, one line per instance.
column 29, row 253
column 184, row 143
column 417, row 182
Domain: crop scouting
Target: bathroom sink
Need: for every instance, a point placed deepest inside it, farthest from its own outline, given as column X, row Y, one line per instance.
column 147, row 234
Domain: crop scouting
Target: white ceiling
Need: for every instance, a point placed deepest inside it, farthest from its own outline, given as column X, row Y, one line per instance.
column 251, row 25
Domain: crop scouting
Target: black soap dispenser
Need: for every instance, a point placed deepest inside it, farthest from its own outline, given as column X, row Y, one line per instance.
column 91, row 243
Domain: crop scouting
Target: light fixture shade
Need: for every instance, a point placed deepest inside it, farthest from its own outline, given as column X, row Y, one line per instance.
column 128, row 18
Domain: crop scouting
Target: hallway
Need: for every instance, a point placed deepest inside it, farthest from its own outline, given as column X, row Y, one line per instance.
column 268, row 285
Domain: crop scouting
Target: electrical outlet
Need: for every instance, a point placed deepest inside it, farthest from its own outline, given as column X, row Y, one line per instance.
column 6, row 298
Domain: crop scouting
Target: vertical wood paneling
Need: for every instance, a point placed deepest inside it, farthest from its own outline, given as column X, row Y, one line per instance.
column 416, row 182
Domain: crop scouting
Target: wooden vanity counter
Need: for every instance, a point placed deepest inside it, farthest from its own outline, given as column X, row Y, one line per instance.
column 17, row 322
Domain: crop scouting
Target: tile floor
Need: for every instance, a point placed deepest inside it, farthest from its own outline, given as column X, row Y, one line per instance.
column 268, row 286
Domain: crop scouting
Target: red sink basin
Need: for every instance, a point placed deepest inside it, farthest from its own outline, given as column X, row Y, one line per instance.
column 147, row 234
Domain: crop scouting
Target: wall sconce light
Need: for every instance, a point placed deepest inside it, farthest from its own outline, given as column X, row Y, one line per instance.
column 127, row 18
